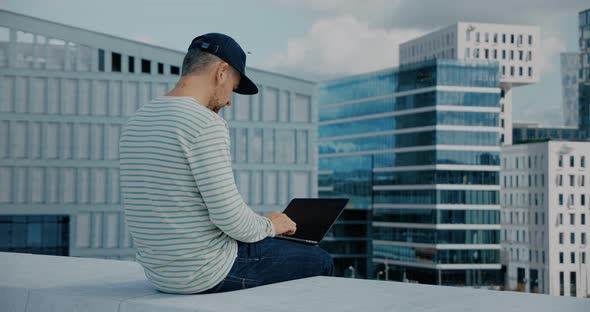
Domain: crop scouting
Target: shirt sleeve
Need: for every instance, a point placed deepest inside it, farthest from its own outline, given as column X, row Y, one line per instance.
column 209, row 159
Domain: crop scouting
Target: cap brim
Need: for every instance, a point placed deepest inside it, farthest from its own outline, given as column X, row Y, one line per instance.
column 246, row 86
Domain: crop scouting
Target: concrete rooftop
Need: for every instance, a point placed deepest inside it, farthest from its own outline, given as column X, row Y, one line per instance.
column 50, row 283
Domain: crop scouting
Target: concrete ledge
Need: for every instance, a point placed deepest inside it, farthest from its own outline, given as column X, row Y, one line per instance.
column 50, row 283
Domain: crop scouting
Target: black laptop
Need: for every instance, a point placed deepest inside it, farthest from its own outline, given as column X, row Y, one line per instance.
column 314, row 217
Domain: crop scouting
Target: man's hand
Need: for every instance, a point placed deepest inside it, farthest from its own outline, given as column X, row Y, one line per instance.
column 282, row 224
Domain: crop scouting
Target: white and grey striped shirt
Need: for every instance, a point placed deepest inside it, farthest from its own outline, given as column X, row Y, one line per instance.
column 182, row 206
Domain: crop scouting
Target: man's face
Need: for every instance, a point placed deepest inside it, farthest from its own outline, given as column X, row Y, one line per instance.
column 227, row 82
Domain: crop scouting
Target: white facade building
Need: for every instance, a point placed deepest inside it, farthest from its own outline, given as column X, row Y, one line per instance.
column 516, row 48
column 545, row 199
column 65, row 93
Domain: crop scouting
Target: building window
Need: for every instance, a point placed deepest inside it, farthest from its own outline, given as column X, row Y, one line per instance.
column 503, row 38
column 512, row 71
column 582, row 219
column 529, row 56
column 503, row 70
column 146, row 66
column 38, row 234
column 560, row 163
column 520, row 71
column 583, row 239
column 560, row 218
column 572, row 180
column 520, row 39
column 487, row 54
column 477, row 37
column 503, row 54
column 530, row 40
column 511, row 55
column 560, row 180
column 520, row 55
column 495, row 54
column 174, row 70
column 115, row 62
column 583, row 257
column 543, row 180
column 583, row 200
column 573, row 281
column 572, row 161
column 131, row 64
column 487, row 37
column 530, row 72
column 476, row 53
column 572, row 257
column 561, row 238
column 561, row 283
column 571, row 200
column 561, row 199
column 512, row 38
column 582, row 180
column 573, row 238
column 561, row 257
column 572, row 219
column 495, row 38
column 583, row 161
column 467, row 53
column 467, row 35
column 160, row 68
column 100, row 60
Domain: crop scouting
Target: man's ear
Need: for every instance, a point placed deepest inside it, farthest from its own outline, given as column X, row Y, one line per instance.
column 222, row 71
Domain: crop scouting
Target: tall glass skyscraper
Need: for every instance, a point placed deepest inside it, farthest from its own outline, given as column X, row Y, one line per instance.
column 417, row 147
column 584, row 91
column 570, row 68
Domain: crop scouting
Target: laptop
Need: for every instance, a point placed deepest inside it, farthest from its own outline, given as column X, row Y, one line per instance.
column 314, row 218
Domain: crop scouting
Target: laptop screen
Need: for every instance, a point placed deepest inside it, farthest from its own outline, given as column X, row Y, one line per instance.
column 314, row 216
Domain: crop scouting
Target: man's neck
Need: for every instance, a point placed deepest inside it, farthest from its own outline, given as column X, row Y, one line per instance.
column 191, row 87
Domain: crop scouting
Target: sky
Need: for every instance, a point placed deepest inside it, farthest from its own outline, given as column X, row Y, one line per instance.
column 324, row 39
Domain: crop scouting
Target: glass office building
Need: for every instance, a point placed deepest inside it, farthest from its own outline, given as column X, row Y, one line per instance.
column 417, row 148
column 584, row 86
column 525, row 132
column 570, row 68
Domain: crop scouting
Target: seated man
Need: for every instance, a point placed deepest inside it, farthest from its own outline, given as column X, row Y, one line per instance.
column 192, row 230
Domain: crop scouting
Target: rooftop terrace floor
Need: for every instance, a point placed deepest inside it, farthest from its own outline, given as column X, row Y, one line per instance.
column 50, row 283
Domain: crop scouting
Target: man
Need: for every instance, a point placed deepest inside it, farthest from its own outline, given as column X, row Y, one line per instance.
column 192, row 230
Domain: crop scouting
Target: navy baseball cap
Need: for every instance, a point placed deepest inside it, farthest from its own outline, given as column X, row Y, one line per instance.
column 227, row 49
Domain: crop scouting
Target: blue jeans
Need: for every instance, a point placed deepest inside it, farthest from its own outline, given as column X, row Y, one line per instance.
column 274, row 260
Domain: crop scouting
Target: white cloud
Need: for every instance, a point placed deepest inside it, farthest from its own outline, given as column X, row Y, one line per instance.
column 542, row 114
column 551, row 47
column 340, row 46
column 428, row 13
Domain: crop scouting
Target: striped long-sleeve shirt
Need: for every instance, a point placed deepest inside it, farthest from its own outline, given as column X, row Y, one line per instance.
column 182, row 207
